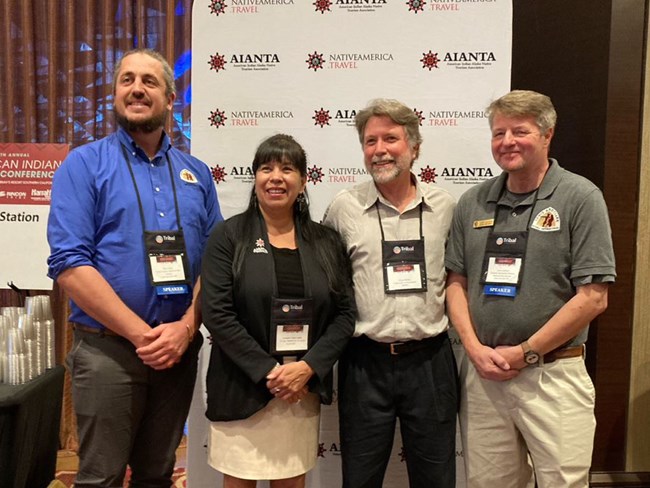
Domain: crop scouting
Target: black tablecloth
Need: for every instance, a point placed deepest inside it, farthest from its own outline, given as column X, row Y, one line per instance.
column 29, row 430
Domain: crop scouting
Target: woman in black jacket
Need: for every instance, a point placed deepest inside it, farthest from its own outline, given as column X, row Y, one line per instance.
column 277, row 299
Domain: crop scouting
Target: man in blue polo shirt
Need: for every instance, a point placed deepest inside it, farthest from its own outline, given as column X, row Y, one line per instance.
column 530, row 260
column 128, row 222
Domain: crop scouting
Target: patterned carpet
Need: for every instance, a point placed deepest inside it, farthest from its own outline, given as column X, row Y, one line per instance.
column 66, row 478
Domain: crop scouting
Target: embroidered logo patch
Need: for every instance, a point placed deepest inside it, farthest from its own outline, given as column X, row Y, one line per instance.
column 548, row 220
column 187, row 175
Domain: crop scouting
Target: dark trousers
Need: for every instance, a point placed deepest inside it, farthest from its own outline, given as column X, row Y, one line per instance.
column 127, row 413
column 421, row 389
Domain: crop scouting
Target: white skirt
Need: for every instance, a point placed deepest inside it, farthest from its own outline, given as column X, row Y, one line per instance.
column 280, row 441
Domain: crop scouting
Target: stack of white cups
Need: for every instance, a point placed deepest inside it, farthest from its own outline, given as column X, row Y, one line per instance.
column 26, row 340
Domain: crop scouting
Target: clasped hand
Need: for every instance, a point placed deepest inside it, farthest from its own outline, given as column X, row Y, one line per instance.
column 164, row 345
column 288, row 382
column 498, row 364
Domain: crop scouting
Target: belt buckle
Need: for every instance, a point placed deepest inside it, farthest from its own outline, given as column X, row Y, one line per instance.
column 393, row 351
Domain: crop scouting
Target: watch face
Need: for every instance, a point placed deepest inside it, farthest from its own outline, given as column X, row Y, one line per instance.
column 531, row 357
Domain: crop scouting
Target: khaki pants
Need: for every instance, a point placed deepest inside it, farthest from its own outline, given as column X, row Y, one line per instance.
column 546, row 412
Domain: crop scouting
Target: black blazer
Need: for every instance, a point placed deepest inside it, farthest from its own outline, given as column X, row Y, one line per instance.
column 237, row 315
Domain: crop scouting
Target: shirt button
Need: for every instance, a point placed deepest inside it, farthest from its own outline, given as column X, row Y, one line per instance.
column 161, row 214
column 514, row 214
column 157, row 189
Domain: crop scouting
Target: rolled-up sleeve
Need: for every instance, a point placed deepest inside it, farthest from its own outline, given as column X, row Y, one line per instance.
column 71, row 222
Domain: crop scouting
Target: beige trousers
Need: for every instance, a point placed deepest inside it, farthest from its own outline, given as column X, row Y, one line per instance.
column 546, row 414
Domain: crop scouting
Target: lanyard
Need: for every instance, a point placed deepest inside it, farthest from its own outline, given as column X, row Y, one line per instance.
column 532, row 207
column 381, row 227
column 137, row 192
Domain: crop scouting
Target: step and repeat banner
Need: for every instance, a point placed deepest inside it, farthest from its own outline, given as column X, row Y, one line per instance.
column 304, row 68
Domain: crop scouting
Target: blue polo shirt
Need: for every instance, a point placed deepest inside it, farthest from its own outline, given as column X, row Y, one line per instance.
column 95, row 220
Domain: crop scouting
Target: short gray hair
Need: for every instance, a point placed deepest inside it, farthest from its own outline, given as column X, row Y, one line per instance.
column 525, row 103
column 398, row 113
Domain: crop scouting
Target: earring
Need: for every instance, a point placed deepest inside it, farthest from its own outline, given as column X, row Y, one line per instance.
column 302, row 202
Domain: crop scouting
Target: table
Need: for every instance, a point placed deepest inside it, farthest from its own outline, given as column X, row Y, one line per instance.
column 30, row 415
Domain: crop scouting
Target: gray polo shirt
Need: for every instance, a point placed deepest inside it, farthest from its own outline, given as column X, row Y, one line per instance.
column 403, row 316
column 569, row 244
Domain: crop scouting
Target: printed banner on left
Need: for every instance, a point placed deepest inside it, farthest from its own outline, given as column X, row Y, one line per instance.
column 26, row 172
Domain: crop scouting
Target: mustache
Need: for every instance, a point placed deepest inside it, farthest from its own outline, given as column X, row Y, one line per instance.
column 384, row 159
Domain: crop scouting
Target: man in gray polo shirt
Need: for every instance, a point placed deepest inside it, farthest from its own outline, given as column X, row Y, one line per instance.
column 529, row 260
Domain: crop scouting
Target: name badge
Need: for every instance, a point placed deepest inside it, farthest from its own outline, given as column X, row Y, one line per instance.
column 167, row 261
column 291, row 320
column 503, row 263
column 503, row 270
column 401, row 277
column 291, row 338
column 166, row 268
column 404, row 266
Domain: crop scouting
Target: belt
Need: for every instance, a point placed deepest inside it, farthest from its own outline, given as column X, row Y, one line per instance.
column 400, row 347
column 567, row 352
column 94, row 330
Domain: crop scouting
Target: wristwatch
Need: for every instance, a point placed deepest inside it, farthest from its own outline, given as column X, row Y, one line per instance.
column 530, row 356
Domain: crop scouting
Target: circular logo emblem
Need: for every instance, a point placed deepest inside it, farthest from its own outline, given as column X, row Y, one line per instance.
column 499, row 241
column 285, row 308
column 397, row 250
column 159, row 239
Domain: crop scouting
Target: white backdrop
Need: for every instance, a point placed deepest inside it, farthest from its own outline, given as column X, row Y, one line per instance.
column 304, row 67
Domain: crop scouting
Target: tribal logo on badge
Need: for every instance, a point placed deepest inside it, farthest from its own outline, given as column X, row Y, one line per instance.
column 187, row 175
column 548, row 220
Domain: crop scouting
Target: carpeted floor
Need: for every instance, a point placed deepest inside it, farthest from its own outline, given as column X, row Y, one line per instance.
column 66, row 479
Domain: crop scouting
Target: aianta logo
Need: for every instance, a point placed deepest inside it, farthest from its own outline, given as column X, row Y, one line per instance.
column 315, row 175
column 217, row 62
column 429, row 60
column 463, row 60
column 315, row 61
column 428, row 175
column 218, row 7
column 321, row 117
column 416, row 5
column 470, row 60
column 322, row 6
column 255, row 61
column 361, row 6
column 217, row 118
column 465, row 175
column 218, row 174
column 345, row 117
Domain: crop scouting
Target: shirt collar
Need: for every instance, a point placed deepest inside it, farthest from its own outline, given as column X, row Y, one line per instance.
column 549, row 183
column 128, row 142
column 373, row 195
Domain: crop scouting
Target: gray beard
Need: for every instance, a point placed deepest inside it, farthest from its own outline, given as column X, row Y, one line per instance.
column 145, row 126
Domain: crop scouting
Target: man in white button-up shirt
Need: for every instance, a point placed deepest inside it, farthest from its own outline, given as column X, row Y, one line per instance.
column 399, row 365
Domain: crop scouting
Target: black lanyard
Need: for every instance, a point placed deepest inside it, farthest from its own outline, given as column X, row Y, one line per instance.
column 381, row 227
column 137, row 192
column 532, row 208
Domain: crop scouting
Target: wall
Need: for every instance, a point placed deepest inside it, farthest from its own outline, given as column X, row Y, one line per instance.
column 588, row 57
